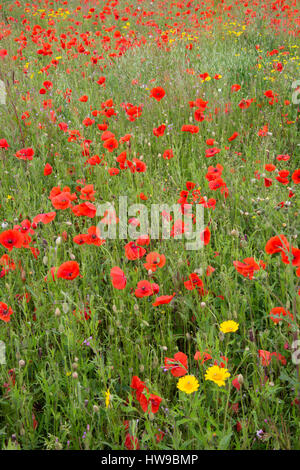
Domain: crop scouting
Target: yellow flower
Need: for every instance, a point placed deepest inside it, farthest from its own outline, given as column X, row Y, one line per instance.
column 188, row 384
column 229, row 326
column 107, row 398
column 217, row 374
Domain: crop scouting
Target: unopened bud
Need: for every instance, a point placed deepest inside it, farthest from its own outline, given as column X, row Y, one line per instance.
column 58, row 241
column 57, row 312
column 240, row 379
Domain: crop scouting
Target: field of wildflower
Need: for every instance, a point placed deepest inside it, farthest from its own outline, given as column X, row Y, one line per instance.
column 114, row 335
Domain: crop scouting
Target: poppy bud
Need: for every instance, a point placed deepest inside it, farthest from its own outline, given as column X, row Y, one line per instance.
column 240, row 379
column 65, row 307
column 57, row 312
column 234, row 233
column 22, row 363
column 58, row 241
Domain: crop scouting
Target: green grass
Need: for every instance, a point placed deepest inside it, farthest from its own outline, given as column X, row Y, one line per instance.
column 62, row 382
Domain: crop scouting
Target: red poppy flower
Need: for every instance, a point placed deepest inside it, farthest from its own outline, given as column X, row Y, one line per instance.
column 163, row 299
column 235, row 88
column 268, row 182
column 157, row 93
column 93, row 237
column 88, row 122
column 234, row 136
column 47, row 169
column 294, row 254
column 247, row 268
column 270, row 167
column 5, row 312
column 190, row 128
column 144, row 289
column 86, row 209
column 25, row 154
column 205, row 236
column 131, row 442
column 125, row 138
column 68, row 270
column 278, row 314
column 194, row 282
column 178, row 365
column 143, row 240
column 44, row 218
column 159, row 131
column 62, row 201
column 296, row 176
column 168, row 154
column 211, row 152
column 101, row 81
column 154, row 260
column 203, row 357
column 155, row 401
column 11, row 239
column 244, row 104
column 118, row 278
column 7, row 263
column 3, row 144
column 199, row 115
column 79, row 239
column 236, row 383
column 133, row 251
column 87, row 193
column 277, row 244
column 265, row 357
column 111, row 144
column 48, row 85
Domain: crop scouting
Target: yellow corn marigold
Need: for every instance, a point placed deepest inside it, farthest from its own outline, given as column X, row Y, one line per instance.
column 188, row 384
column 229, row 326
column 217, row 374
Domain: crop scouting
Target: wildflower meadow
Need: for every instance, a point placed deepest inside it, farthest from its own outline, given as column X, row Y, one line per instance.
column 149, row 225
